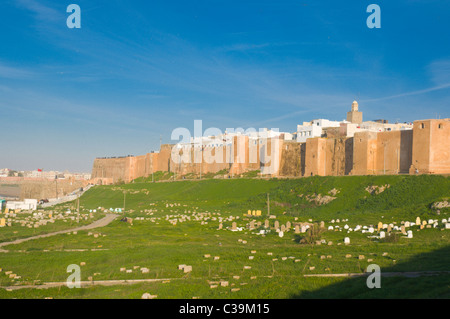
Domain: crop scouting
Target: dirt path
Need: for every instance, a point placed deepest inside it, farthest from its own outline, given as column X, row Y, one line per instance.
column 99, row 223
column 85, row 284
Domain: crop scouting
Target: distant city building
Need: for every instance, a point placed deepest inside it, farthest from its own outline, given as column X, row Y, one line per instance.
column 4, row 172
column 314, row 129
column 27, row 204
column 348, row 128
column 41, row 174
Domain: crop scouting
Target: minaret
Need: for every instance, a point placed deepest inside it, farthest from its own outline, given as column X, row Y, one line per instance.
column 354, row 116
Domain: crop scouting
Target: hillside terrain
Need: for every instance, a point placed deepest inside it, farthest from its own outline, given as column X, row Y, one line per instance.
column 205, row 224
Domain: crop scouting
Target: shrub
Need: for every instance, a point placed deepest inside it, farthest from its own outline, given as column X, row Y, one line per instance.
column 312, row 235
column 119, row 182
column 391, row 238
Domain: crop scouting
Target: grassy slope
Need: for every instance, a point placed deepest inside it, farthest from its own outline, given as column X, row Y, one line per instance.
column 161, row 246
column 17, row 232
column 408, row 196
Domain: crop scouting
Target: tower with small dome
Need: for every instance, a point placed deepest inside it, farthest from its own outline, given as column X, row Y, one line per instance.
column 355, row 116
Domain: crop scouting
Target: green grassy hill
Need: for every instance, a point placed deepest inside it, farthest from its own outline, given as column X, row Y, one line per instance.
column 278, row 265
column 407, row 196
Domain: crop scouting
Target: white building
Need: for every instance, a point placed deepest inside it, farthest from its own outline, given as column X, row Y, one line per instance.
column 314, row 129
column 4, row 172
column 27, row 204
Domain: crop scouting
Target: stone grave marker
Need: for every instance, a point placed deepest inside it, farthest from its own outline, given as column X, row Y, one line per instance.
column 380, row 226
column 277, row 224
column 403, row 230
column 187, row 269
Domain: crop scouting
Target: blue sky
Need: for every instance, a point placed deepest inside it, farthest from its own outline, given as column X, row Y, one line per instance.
column 136, row 70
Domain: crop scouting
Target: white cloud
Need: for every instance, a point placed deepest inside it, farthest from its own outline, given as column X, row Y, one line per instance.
column 418, row 92
column 440, row 71
column 11, row 72
column 41, row 11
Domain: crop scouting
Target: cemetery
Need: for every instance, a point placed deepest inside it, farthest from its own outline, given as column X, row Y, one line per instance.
column 223, row 239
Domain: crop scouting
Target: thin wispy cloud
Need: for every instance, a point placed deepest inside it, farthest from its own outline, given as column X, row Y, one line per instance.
column 12, row 72
column 418, row 92
column 41, row 12
column 244, row 47
column 63, row 110
column 440, row 71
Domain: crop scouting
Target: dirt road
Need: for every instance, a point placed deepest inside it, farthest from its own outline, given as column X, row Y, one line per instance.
column 99, row 223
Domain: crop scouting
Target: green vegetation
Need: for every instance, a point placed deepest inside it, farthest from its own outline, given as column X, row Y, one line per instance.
column 279, row 264
column 219, row 174
column 157, row 177
column 312, row 235
column 251, row 174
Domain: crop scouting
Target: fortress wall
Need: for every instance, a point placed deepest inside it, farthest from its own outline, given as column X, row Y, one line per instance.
column 111, row 170
column 195, row 160
column 394, row 152
column 440, row 147
column 426, row 148
column 254, row 149
column 242, row 155
column 152, row 160
column 364, row 153
column 338, row 156
column 292, row 159
column 406, row 145
column 161, row 160
column 40, row 189
column 177, row 156
column 315, row 156
column 215, row 159
column 246, row 154
column 270, row 156
column 431, row 147
column 196, row 168
column 140, row 166
column 384, row 152
column 348, row 155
